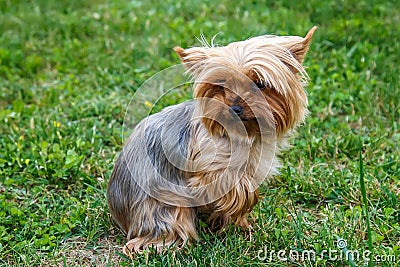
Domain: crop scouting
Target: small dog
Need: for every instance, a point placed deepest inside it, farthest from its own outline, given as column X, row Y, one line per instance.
column 208, row 156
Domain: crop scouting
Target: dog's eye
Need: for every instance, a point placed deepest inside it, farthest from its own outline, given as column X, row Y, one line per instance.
column 220, row 83
column 260, row 84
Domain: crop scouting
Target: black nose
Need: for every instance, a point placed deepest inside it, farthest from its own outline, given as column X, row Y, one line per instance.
column 238, row 110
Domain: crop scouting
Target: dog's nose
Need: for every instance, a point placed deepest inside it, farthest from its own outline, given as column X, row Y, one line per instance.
column 238, row 110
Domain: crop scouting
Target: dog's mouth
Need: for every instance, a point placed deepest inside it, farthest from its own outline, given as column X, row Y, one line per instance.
column 247, row 122
column 239, row 119
column 244, row 118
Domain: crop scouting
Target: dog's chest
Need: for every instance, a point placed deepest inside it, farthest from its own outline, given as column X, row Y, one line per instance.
column 251, row 158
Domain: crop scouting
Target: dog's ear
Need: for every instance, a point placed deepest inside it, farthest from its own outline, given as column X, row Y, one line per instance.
column 299, row 49
column 191, row 56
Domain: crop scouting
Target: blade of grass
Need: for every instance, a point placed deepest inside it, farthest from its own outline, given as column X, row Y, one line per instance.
column 365, row 201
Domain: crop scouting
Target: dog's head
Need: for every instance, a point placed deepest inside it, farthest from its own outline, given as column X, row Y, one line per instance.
column 257, row 83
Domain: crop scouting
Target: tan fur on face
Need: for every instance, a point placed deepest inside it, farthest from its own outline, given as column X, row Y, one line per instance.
column 274, row 60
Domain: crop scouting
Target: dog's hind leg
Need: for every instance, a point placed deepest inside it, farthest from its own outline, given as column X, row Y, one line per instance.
column 158, row 225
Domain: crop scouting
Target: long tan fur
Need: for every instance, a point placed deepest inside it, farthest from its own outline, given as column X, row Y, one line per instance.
column 210, row 155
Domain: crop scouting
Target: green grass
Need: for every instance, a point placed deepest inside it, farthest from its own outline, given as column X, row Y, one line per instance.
column 69, row 68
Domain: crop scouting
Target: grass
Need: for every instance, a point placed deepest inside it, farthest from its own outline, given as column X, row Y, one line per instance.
column 69, row 68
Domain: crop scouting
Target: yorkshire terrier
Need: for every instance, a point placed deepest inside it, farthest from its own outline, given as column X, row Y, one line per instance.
column 207, row 157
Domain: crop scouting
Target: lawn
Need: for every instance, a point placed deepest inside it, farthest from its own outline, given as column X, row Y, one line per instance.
column 68, row 70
